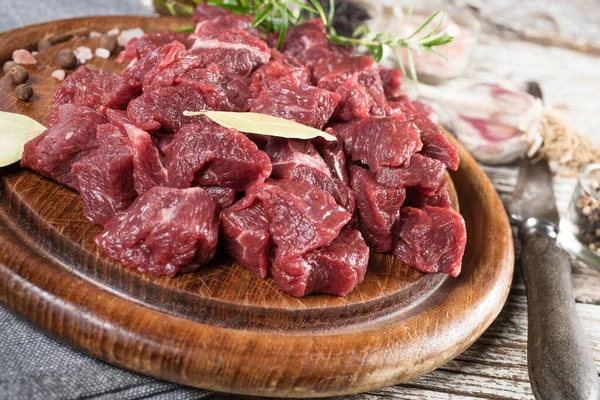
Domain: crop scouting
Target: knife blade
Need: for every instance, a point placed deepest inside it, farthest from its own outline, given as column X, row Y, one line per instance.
column 559, row 358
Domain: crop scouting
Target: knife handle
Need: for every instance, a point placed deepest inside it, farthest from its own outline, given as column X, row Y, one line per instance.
column 560, row 361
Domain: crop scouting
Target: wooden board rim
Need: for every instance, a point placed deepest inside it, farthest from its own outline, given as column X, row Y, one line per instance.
column 108, row 326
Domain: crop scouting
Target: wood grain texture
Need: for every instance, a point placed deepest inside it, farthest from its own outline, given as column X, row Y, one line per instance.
column 220, row 328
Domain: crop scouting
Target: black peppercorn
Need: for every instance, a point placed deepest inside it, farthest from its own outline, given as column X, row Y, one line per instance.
column 67, row 59
column 24, row 92
column 43, row 44
column 108, row 42
column 8, row 65
column 18, row 74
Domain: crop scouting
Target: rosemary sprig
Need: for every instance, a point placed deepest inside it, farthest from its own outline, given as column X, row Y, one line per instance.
column 278, row 15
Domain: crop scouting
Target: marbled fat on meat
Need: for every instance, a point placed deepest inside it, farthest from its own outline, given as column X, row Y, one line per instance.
column 164, row 231
column 139, row 47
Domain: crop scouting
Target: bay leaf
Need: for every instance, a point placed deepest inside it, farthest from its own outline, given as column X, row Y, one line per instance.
column 15, row 131
column 262, row 124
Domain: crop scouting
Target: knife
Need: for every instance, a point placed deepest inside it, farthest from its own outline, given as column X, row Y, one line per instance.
column 559, row 358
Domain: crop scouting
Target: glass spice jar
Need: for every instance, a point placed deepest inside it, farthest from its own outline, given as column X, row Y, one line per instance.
column 580, row 227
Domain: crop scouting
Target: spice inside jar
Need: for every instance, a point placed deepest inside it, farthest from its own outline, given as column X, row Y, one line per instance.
column 580, row 228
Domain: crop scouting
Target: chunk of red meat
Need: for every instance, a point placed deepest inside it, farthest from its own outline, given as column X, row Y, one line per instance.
column 431, row 239
column 342, row 194
column 221, row 90
column 68, row 140
column 286, row 154
column 225, row 22
column 269, row 73
column 148, row 168
column 139, row 47
column 204, row 12
column 105, row 176
column 224, row 197
column 164, row 231
column 440, row 198
column 392, row 82
column 97, row 90
column 333, row 155
column 356, row 79
column 378, row 207
column 290, row 99
column 72, row 84
column 379, row 142
column 301, row 216
column 435, row 143
column 245, row 231
column 164, row 107
column 423, row 173
column 308, row 42
column 334, row 269
column 234, row 51
column 212, row 155
column 160, row 67
column 298, row 160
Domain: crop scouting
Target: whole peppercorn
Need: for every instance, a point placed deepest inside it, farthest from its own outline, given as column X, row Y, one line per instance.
column 67, row 59
column 108, row 42
column 8, row 65
column 43, row 44
column 24, row 92
column 18, row 74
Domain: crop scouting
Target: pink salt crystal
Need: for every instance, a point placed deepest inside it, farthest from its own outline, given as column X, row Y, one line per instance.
column 59, row 74
column 23, row 57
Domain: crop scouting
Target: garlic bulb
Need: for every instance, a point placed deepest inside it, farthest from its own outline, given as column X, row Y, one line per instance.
column 498, row 125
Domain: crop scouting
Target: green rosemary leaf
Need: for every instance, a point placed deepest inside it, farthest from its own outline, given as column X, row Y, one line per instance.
column 424, row 24
column 262, row 15
column 320, row 11
column 184, row 29
column 284, row 25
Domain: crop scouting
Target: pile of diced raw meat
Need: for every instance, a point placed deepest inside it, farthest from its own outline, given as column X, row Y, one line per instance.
column 172, row 190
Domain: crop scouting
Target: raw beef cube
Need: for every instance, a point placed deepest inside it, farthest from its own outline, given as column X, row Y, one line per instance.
column 105, row 177
column 164, row 231
column 212, row 155
column 291, row 99
column 164, row 108
column 287, row 154
column 221, row 90
column 204, row 12
column 379, row 142
column 431, row 239
column 417, row 199
column 392, row 82
column 68, row 140
column 72, row 84
column 148, row 168
column 334, row 269
column 224, row 197
column 139, row 47
column 162, row 66
column 265, row 75
column 234, row 51
column 245, row 231
column 333, row 155
column 97, row 90
column 225, row 22
column 423, row 173
column 308, row 42
column 378, row 207
column 356, row 79
column 301, row 216
column 342, row 194
column 435, row 143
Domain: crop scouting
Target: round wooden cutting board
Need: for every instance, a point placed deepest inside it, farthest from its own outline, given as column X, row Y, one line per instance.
column 221, row 328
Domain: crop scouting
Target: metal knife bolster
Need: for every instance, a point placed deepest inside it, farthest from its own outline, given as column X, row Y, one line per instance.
column 534, row 225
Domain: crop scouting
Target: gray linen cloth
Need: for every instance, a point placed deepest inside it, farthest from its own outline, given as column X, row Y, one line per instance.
column 34, row 365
